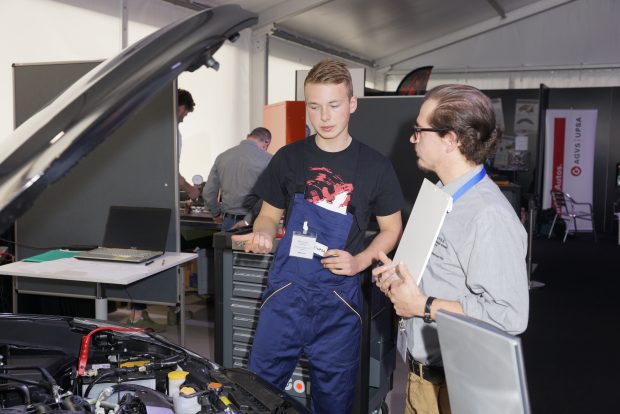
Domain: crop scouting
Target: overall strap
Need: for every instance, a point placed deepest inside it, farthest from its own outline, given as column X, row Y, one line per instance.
column 300, row 178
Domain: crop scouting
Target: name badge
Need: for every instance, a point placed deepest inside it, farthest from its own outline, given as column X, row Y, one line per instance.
column 320, row 249
column 302, row 245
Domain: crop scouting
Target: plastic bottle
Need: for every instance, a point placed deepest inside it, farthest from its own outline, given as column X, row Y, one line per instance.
column 186, row 402
column 175, row 380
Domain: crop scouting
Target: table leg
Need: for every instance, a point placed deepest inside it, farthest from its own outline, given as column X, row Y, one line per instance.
column 181, row 301
column 14, row 294
column 101, row 304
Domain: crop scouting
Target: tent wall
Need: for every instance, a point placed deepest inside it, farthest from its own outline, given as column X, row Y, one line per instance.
column 385, row 123
column 84, row 30
column 574, row 45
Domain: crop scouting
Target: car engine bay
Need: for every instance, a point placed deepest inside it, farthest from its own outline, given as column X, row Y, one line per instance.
column 54, row 364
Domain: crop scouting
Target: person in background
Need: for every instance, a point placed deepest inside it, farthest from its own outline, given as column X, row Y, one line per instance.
column 234, row 174
column 185, row 106
column 329, row 184
column 477, row 266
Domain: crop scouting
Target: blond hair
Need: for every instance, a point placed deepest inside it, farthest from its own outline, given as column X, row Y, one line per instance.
column 330, row 71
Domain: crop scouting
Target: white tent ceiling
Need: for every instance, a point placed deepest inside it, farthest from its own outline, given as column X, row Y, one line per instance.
column 400, row 35
column 558, row 42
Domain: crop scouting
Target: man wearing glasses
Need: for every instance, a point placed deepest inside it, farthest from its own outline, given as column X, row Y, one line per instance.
column 477, row 266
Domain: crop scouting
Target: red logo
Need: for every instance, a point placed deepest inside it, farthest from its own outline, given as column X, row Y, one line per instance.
column 299, row 386
column 575, row 171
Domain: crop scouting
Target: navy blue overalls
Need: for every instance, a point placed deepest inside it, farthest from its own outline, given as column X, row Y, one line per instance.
column 308, row 309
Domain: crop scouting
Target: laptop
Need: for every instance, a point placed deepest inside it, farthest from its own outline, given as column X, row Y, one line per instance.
column 132, row 235
column 484, row 367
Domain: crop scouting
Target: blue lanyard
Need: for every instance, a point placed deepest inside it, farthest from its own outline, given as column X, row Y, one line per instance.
column 469, row 184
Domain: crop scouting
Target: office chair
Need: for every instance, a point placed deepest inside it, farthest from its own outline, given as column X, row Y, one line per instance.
column 566, row 208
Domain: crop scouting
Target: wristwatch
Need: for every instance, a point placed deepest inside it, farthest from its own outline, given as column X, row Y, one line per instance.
column 427, row 309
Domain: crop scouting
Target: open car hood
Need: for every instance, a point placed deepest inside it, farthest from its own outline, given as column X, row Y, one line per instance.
column 51, row 142
column 56, row 364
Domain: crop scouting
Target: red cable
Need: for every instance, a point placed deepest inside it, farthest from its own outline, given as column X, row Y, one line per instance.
column 82, row 361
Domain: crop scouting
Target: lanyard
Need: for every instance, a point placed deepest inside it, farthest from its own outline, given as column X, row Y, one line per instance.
column 469, row 184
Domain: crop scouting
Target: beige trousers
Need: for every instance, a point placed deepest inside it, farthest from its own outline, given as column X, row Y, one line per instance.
column 426, row 398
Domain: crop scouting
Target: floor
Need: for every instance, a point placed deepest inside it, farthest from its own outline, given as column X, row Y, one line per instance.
column 199, row 329
column 396, row 398
column 199, row 337
column 570, row 346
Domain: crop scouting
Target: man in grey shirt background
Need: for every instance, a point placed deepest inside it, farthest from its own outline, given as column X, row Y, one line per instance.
column 234, row 174
column 477, row 266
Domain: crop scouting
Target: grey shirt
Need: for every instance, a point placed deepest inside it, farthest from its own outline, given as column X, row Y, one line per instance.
column 235, row 172
column 479, row 261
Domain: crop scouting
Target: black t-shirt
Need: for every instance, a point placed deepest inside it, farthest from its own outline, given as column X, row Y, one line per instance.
column 357, row 180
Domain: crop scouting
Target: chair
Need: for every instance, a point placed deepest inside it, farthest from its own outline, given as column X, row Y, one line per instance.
column 570, row 210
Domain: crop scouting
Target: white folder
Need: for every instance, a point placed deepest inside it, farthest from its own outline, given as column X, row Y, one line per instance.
column 422, row 229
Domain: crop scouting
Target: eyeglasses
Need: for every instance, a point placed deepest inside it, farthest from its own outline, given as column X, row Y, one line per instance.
column 417, row 130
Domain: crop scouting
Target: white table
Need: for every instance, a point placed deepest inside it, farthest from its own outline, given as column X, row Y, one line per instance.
column 100, row 273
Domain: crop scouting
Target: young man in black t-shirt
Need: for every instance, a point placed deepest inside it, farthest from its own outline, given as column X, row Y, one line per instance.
column 329, row 186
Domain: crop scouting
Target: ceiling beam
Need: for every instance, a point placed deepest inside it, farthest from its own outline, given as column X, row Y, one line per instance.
column 268, row 19
column 523, row 68
column 190, row 4
column 477, row 29
column 319, row 46
column 286, row 10
column 498, row 8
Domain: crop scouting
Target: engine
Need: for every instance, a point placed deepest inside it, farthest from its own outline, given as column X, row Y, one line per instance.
column 119, row 370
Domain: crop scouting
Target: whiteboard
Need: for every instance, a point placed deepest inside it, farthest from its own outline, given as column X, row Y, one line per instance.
column 422, row 229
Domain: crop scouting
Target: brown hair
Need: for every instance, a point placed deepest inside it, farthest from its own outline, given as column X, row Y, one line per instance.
column 469, row 113
column 330, row 71
column 261, row 134
column 185, row 98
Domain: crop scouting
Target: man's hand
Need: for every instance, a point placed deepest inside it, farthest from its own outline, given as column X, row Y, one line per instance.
column 219, row 219
column 192, row 192
column 256, row 242
column 402, row 290
column 385, row 273
column 405, row 294
column 341, row 262
column 265, row 226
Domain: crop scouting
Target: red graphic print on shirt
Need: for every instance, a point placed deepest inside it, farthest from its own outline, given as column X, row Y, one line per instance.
column 328, row 190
